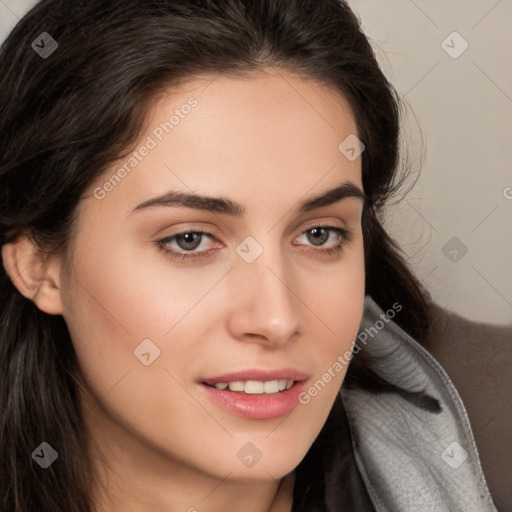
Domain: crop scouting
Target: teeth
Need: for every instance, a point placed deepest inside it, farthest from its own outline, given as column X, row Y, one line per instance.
column 238, row 385
column 271, row 386
column 256, row 387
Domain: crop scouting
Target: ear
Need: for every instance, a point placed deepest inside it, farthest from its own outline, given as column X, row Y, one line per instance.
column 35, row 277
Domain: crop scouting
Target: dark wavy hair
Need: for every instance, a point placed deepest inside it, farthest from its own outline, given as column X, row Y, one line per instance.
column 65, row 119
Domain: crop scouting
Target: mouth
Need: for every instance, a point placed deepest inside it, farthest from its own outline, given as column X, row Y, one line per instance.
column 256, row 394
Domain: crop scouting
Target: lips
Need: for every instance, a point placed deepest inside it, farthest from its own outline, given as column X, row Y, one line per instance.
column 257, row 375
column 248, row 399
column 259, row 406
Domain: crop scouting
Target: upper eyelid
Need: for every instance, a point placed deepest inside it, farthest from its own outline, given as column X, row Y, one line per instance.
column 202, row 228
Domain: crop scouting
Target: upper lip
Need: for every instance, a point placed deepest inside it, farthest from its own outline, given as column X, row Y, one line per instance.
column 259, row 375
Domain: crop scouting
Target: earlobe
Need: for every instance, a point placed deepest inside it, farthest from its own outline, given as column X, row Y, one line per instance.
column 35, row 277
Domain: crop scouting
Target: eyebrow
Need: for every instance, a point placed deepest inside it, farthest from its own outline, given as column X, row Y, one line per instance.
column 229, row 207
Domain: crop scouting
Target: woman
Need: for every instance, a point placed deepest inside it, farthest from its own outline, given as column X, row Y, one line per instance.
column 190, row 237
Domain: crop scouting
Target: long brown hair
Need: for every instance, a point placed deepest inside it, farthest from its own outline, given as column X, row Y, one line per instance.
column 66, row 118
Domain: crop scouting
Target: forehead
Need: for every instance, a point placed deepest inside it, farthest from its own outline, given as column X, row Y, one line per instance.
column 252, row 94
column 266, row 136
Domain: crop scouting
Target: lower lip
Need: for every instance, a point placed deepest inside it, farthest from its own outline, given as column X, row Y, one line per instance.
column 258, row 406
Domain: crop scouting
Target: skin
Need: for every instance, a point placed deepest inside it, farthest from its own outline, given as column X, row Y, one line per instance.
column 158, row 442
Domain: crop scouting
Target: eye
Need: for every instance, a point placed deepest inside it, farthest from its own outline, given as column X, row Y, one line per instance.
column 321, row 233
column 184, row 245
column 186, row 241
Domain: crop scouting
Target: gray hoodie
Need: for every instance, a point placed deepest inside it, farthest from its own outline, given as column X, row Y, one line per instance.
column 410, row 459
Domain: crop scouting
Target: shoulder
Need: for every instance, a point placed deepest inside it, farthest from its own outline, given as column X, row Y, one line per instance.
column 478, row 359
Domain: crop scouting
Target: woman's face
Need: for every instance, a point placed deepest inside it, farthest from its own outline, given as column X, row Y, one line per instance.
column 153, row 315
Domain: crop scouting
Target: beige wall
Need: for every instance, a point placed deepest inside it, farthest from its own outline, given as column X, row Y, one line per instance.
column 463, row 107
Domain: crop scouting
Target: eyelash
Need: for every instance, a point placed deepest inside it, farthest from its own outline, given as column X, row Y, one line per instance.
column 346, row 238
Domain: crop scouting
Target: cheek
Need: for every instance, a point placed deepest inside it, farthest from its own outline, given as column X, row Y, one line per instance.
column 339, row 310
column 111, row 311
column 116, row 301
column 336, row 296
column 110, row 306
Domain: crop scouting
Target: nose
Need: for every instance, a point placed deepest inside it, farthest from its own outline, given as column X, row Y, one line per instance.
column 266, row 299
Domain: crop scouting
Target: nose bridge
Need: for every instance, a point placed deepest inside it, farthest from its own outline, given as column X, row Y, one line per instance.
column 267, row 303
